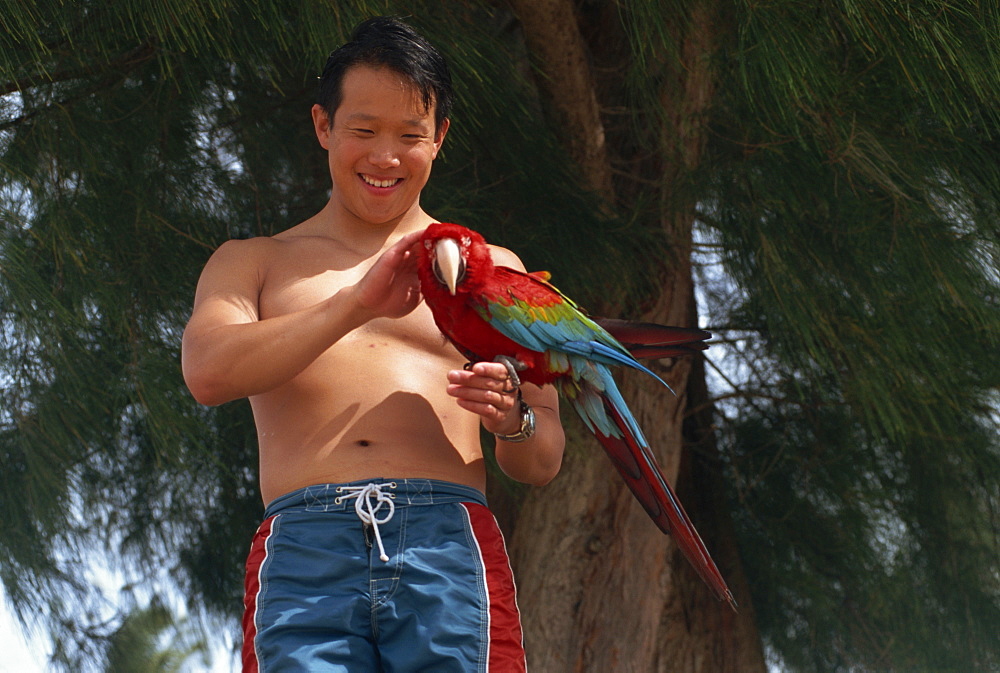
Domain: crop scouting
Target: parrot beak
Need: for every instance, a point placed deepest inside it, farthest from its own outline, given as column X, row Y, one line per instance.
column 449, row 266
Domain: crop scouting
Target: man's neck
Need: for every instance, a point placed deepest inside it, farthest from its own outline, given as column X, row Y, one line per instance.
column 365, row 237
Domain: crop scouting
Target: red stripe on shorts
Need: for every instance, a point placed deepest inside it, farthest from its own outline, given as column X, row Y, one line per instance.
column 506, row 646
column 251, row 589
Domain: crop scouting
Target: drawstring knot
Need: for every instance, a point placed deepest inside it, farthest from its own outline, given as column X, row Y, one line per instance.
column 368, row 512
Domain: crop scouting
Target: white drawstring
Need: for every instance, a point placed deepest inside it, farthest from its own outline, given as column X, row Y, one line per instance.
column 366, row 512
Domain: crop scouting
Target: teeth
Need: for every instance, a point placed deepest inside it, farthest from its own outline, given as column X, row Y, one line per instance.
column 379, row 183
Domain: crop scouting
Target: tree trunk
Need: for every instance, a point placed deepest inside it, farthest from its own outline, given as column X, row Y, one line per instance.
column 601, row 588
column 553, row 39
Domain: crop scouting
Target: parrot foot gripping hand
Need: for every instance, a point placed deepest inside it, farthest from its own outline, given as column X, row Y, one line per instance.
column 513, row 366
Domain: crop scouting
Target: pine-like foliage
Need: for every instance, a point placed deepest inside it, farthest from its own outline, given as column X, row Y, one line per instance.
column 855, row 188
column 152, row 640
column 847, row 200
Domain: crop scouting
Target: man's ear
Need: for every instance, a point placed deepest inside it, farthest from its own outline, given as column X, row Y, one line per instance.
column 321, row 124
column 439, row 135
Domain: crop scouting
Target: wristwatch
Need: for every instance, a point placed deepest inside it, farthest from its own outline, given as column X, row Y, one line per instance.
column 527, row 424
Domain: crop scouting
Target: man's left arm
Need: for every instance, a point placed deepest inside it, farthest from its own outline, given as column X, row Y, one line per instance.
column 485, row 390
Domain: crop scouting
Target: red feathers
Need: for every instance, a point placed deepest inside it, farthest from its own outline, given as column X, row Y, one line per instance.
column 489, row 311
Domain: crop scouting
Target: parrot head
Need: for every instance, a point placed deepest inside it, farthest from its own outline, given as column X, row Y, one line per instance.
column 455, row 255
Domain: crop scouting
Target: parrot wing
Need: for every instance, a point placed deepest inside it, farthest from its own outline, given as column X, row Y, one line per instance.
column 645, row 340
column 536, row 315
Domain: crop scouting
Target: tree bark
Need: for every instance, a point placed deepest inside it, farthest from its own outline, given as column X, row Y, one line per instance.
column 567, row 86
column 601, row 588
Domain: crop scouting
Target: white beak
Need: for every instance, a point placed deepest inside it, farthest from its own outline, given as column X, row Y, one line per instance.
column 448, row 258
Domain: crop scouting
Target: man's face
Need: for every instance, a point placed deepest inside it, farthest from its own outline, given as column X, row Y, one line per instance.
column 381, row 144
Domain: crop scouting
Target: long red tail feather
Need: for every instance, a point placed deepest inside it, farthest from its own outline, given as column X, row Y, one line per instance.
column 650, row 341
column 642, row 475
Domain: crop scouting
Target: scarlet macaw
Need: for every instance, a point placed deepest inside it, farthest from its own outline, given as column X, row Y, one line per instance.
column 496, row 313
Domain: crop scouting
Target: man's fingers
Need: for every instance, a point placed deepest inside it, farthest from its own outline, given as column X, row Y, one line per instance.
column 473, row 379
column 496, row 398
column 493, row 370
column 484, row 409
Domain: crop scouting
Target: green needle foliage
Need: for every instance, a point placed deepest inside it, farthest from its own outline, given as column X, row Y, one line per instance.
column 857, row 214
column 150, row 640
column 848, row 193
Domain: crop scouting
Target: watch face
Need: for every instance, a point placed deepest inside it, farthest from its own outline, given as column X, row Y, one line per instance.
column 527, row 428
column 527, row 420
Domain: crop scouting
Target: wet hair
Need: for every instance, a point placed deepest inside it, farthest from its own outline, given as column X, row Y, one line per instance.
column 387, row 42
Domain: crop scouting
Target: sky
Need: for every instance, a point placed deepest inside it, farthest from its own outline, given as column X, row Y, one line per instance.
column 29, row 654
column 18, row 657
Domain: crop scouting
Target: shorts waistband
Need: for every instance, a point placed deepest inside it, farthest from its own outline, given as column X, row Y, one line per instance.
column 404, row 492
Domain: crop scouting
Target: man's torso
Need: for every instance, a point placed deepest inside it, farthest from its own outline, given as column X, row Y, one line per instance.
column 374, row 404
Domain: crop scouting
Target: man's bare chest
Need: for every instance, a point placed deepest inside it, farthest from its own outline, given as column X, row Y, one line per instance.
column 295, row 286
column 288, row 288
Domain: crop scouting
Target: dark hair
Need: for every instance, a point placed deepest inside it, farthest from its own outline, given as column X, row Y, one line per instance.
column 388, row 42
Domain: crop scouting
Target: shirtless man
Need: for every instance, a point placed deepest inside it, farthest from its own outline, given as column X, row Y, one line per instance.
column 377, row 551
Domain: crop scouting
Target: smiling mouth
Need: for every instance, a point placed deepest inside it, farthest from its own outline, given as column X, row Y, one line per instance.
column 382, row 184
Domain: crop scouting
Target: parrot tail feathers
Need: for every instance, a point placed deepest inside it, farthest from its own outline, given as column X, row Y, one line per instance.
column 658, row 352
column 633, row 333
column 630, row 454
column 650, row 341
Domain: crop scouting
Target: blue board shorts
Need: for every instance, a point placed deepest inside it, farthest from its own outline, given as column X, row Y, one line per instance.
column 398, row 576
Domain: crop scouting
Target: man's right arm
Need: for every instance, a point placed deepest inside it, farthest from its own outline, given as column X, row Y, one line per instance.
column 228, row 352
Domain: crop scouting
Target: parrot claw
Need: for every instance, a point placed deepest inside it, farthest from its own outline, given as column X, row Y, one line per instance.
column 513, row 366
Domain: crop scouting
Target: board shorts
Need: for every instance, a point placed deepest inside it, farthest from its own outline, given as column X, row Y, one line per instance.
column 398, row 576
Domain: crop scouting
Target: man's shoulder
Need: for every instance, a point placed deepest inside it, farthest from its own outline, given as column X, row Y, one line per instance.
column 505, row 257
column 259, row 250
column 246, row 247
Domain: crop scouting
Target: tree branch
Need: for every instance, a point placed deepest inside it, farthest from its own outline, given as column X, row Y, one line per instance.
column 127, row 61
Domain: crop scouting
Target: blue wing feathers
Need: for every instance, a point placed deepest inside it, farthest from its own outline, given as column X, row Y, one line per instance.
column 615, row 399
column 567, row 331
column 576, row 344
column 593, row 350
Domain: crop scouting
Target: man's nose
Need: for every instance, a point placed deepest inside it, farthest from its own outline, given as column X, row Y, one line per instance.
column 384, row 155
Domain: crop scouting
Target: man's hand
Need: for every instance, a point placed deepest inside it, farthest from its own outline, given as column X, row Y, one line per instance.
column 391, row 288
column 486, row 390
